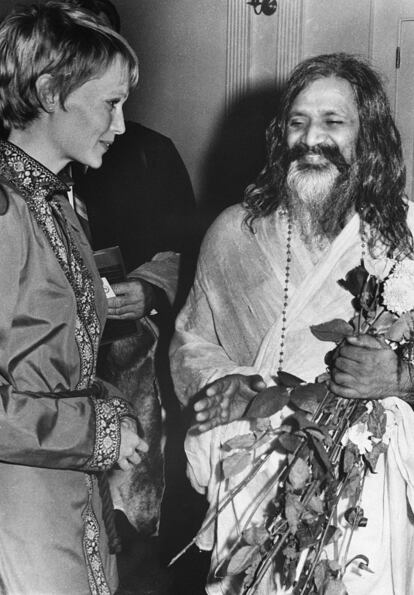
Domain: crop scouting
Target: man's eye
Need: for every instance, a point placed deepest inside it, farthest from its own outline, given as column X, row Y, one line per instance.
column 295, row 124
column 113, row 103
column 334, row 122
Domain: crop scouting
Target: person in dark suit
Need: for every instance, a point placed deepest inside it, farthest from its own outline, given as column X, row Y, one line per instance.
column 140, row 199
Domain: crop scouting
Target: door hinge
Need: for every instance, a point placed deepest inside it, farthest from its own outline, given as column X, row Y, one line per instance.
column 397, row 57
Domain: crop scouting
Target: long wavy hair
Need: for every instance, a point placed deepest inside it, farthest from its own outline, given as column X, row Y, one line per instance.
column 379, row 189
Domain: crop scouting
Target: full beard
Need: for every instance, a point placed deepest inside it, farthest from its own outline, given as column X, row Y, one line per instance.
column 320, row 195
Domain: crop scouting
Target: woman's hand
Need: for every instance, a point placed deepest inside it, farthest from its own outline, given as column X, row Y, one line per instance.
column 131, row 445
column 134, row 299
column 226, row 399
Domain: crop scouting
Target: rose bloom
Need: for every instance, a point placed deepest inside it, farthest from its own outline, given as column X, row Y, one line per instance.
column 378, row 267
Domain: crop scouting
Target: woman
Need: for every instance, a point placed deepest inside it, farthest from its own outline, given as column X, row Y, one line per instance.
column 63, row 81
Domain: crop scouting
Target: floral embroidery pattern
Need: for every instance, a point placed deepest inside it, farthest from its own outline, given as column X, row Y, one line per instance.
column 123, row 407
column 96, row 576
column 39, row 186
column 107, row 415
column 107, row 441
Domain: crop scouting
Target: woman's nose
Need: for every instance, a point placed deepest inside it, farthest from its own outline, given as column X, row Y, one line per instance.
column 118, row 122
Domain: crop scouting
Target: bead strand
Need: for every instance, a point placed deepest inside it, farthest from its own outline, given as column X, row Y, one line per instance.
column 362, row 233
column 285, row 291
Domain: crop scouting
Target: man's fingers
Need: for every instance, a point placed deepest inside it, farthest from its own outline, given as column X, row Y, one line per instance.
column 229, row 385
column 120, row 306
column 204, row 427
column 367, row 341
column 210, row 412
column 208, row 402
column 343, row 391
column 344, row 364
column 128, row 316
column 219, row 387
column 121, row 287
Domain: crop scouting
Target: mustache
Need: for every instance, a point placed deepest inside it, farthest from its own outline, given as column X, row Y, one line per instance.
column 329, row 152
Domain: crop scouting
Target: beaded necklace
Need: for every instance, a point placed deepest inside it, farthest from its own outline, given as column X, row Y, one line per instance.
column 285, row 290
column 362, row 232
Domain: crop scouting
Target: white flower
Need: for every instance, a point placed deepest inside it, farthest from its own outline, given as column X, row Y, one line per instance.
column 398, row 294
column 393, row 418
column 378, row 267
column 360, row 436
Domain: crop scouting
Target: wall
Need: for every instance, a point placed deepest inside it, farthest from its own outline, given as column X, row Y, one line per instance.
column 181, row 45
column 337, row 25
column 211, row 71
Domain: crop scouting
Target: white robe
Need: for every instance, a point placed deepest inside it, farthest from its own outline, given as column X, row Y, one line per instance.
column 232, row 324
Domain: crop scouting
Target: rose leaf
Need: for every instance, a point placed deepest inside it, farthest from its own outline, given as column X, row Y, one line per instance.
column 243, row 441
column 267, row 402
column 235, row 463
column 335, row 330
column 242, row 559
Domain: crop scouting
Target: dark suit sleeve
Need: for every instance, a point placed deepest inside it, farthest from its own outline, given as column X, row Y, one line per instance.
column 174, row 194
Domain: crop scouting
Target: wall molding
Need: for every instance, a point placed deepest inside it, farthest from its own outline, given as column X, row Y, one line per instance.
column 289, row 37
column 261, row 49
column 238, row 50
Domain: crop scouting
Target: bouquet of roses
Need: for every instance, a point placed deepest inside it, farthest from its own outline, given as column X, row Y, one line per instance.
column 330, row 444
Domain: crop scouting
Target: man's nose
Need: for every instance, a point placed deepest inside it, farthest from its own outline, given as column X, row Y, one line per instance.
column 313, row 135
column 118, row 122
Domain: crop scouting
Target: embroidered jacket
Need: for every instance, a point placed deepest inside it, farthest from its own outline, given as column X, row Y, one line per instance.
column 54, row 434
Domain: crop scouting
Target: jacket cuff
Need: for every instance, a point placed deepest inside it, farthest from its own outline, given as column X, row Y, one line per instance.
column 108, row 416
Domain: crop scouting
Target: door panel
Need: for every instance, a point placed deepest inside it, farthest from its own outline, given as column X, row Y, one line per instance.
column 404, row 99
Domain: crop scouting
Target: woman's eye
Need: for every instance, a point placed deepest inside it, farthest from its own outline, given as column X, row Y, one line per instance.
column 334, row 122
column 113, row 103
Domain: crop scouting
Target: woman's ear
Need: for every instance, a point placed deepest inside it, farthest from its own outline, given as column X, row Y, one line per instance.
column 46, row 93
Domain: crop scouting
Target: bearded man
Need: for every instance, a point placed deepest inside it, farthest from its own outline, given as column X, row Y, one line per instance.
column 331, row 192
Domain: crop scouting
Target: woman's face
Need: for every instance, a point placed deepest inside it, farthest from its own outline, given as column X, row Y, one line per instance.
column 91, row 118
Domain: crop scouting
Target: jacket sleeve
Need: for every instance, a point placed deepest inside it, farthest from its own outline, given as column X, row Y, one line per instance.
column 37, row 428
column 60, row 432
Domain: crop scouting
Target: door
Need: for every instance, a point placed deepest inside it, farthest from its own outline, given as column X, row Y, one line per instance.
column 404, row 97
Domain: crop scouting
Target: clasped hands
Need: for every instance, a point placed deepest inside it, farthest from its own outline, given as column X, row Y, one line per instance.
column 364, row 367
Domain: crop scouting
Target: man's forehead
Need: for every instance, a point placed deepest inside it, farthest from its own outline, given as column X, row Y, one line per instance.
column 326, row 94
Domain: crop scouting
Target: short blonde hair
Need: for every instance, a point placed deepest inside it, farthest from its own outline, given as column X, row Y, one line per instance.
column 57, row 39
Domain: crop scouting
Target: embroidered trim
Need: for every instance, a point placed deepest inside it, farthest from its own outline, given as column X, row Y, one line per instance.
column 39, row 186
column 108, row 414
column 123, row 408
column 27, row 175
column 107, row 436
column 96, row 575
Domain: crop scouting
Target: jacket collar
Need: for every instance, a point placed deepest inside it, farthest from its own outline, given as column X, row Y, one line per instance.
column 28, row 176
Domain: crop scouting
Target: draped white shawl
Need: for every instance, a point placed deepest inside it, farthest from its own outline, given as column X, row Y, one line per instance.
column 232, row 317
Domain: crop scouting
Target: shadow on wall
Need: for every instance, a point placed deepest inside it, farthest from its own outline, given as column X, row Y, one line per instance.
column 238, row 149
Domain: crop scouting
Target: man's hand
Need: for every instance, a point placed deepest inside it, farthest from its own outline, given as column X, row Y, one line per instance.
column 134, row 299
column 365, row 367
column 131, row 445
column 226, row 399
